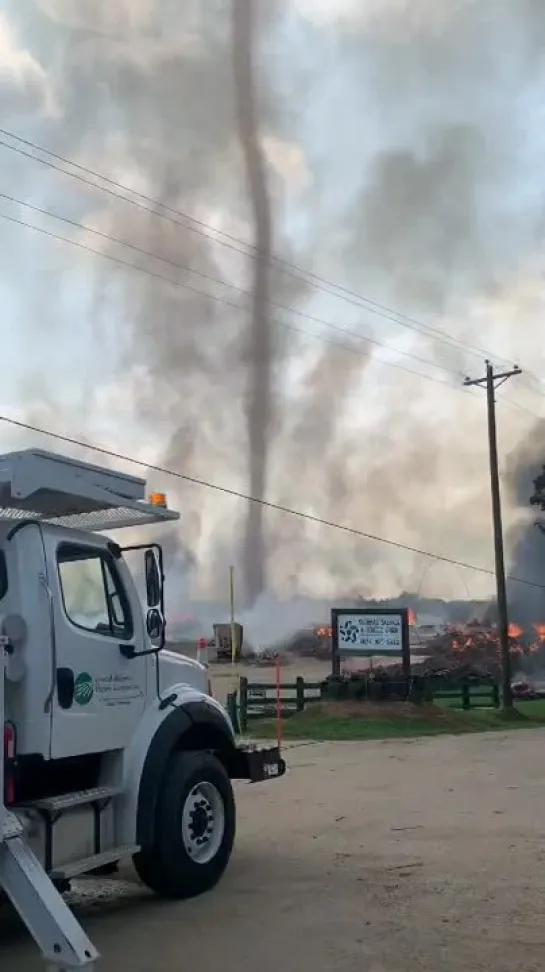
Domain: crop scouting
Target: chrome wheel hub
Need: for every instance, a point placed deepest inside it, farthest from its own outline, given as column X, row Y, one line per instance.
column 203, row 822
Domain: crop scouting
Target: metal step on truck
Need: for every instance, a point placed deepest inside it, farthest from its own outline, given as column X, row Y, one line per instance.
column 114, row 747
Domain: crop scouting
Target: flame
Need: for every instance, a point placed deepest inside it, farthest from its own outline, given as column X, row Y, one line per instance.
column 476, row 637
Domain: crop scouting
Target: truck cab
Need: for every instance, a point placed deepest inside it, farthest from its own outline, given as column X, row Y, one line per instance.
column 113, row 746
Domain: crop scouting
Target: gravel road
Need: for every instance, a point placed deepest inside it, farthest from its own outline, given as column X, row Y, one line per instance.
column 388, row 857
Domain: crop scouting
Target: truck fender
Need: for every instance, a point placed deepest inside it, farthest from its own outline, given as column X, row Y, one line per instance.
column 190, row 721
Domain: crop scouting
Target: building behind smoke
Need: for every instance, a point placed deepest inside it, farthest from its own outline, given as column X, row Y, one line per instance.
column 421, row 634
column 221, row 646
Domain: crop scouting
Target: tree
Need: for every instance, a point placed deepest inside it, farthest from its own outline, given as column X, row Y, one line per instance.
column 538, row 496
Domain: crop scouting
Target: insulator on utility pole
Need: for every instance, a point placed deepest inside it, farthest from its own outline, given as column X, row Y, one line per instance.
column 491, row 381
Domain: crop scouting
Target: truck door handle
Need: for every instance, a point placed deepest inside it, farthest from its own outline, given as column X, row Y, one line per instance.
column 65, row 687
column 128, row 651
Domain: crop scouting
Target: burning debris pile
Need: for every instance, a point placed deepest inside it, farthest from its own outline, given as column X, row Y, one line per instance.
column 219, row 649
column 267, row 657
column 460, row 654
column 312, row 643
column 477, row 646
column 459, row 650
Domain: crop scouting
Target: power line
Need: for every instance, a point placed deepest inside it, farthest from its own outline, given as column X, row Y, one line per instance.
column 514, row 404
column 539, row 392
column 292, row 327
column 202, row 293
column 225, row 283
column 320, row 521
column 199, row 227
column 318, row 283
column 184, row 286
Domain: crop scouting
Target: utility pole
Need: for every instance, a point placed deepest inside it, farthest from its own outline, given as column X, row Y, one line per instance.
column 492, row 381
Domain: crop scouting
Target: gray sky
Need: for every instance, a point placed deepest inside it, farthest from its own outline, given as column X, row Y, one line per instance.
column 406, row 157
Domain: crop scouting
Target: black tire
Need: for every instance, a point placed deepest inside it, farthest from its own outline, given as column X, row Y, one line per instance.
column 167, row 867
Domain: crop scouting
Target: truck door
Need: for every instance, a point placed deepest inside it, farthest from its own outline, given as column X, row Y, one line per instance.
column 100, row 693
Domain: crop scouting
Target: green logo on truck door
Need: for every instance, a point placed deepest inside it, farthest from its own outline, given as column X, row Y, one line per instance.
column 83, row 689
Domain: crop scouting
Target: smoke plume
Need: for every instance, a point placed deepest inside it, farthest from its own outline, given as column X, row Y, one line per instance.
column 526, row 543
column 259, row 399
column 396, row 148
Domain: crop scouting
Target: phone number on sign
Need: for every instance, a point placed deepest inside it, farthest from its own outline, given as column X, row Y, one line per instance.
column 371, row 632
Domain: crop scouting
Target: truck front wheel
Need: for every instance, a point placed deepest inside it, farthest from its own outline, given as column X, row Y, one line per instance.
column 194, row 828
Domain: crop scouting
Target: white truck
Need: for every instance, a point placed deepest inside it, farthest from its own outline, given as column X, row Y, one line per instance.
column 113, row 747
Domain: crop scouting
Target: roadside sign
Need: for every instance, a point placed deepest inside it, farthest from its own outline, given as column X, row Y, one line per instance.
column 364, row 632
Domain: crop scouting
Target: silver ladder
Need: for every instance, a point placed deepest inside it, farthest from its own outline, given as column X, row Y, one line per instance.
column 57, row 933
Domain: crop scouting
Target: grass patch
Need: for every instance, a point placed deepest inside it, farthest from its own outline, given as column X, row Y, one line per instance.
column 364, row 720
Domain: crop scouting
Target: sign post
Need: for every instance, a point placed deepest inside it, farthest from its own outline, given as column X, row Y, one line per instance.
column 364, row 632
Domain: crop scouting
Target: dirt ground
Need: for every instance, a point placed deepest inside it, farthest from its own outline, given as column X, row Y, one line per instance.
column 310, row 669
column 388, row 857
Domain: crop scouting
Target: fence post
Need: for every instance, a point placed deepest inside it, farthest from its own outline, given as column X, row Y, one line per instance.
column 466, row 698
column 300, row 693
column 243, row 705
column 231, row 706
column 495, row 695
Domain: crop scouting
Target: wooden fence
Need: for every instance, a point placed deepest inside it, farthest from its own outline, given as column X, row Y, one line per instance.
column 258, row 700
column 465, row 694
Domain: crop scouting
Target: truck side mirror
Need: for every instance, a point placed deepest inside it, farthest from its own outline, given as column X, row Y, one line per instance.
column 153, row 579
column 154, row 624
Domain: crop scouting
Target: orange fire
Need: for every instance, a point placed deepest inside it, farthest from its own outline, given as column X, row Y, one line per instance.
column 477, row 636
column 522, row 642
